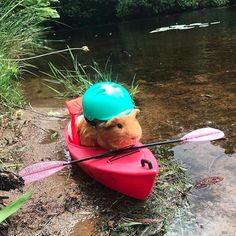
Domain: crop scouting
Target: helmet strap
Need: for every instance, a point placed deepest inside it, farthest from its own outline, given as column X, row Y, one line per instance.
column 93, row 123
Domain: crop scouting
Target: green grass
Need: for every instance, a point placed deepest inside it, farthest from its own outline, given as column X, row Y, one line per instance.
column 21, row 28
column 21, row 36
column 10, row 91
column 75, row 81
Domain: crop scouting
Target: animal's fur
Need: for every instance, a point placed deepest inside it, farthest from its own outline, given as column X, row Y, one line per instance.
column 116, row 133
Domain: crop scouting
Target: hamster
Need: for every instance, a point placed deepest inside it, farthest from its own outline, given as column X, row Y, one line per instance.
column 119, row 132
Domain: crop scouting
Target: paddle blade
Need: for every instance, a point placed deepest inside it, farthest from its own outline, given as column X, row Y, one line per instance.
column 41, row 170
column 203, row 134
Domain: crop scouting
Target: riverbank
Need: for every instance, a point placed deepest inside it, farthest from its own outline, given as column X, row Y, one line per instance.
column 21, row 36
column 70, row 202
column 80, row 12
column 50, row 210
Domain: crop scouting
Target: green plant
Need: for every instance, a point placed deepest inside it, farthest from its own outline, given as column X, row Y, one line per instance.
column 74, row 82
column 15, row 205
column 87, row 11
column 214, row 3
column 133, row 8
column 95, row 11
column 21, row 35
column 20, row 27
column 134, row 89
column 10, row 92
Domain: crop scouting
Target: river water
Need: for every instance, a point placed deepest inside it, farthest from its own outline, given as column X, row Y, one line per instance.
column 187, row 81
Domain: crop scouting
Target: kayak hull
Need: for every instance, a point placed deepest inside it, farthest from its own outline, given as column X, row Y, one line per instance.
column 132, row 175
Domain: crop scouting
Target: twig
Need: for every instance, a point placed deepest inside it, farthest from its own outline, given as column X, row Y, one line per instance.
column 213, row 162
column 42, row 55
column 7, row 165
column 116, row 201
column 36, row 112
column 48, row 222
column 47, row 131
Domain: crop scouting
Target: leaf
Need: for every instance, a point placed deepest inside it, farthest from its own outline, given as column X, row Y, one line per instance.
column 53, row 113
column 54, row 135
column 208, row 181
column 129, row 224
column 15, row 205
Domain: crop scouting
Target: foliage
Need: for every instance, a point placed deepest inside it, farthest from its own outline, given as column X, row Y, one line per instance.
column 21, row 34
column 75, row 81
column 41, row 9
column 213, row 3
column 88, row 10
column 14, row 206
column 20, row 26
column 134, row 8
column 95, row 11
column 9, row 88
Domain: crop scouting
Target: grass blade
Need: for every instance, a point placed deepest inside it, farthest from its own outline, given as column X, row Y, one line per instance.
column 15, row 205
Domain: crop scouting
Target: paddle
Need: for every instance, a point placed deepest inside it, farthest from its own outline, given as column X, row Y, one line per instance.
column 44, row 169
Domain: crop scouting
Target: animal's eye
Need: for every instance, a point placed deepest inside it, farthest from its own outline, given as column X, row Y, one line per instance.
column 120, row 126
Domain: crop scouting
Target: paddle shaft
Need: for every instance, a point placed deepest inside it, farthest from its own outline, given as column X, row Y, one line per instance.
column 123, row 150
column 41, row 170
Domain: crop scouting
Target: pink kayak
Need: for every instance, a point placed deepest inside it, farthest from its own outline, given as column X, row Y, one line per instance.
column 132, row 174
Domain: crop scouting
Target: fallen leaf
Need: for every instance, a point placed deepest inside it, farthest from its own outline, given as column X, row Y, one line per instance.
column 208, row 181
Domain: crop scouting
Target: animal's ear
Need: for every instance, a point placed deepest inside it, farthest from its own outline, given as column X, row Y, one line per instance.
column 110, row 123
column 135, row 112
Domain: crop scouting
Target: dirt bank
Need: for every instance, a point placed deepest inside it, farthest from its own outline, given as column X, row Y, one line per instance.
column 57, row 205
column 71, row 203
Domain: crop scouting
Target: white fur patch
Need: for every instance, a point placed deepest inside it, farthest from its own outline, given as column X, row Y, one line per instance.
column 79, row 118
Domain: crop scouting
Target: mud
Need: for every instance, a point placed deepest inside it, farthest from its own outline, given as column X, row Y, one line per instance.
column 10, row 180
column 84, row 228
column 51, row 210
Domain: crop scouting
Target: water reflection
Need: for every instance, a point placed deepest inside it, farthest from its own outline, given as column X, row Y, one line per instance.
column 183, row 27
column 132, row 50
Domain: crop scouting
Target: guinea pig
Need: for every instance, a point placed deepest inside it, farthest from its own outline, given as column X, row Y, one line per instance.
column 118, row 132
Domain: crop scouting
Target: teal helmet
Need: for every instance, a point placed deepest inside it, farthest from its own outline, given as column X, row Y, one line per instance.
column 105, row 100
